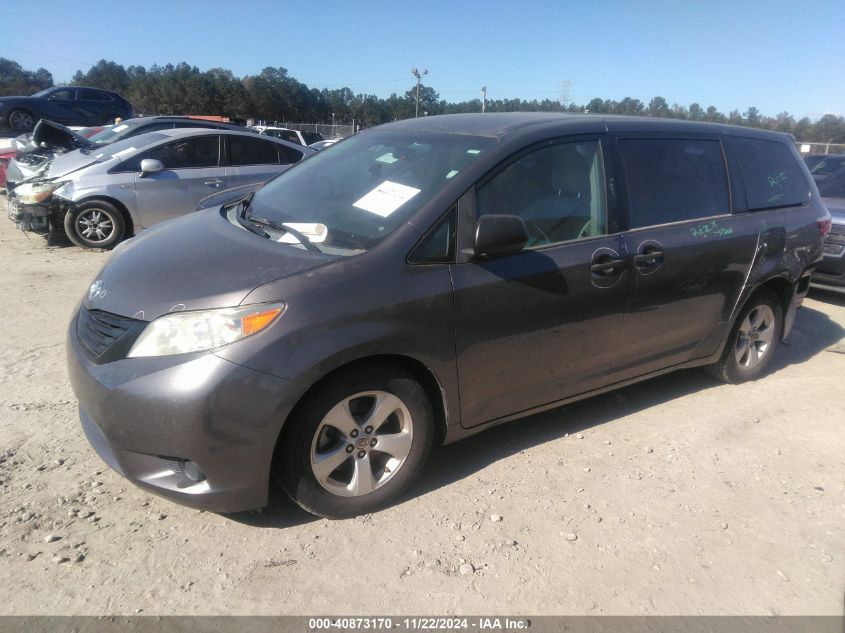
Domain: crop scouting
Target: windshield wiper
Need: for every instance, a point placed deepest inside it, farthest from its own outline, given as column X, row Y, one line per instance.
column 244, row 220
column 286, row 229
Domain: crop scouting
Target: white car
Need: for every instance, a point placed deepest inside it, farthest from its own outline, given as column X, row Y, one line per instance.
column 292, row 136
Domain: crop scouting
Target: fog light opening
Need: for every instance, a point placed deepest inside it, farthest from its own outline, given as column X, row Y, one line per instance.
column 191, row 470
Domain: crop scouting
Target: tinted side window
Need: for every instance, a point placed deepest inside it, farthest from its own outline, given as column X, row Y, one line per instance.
column 438, row 246
column 670, row 180
column 92, row 95
column 558, row 190
column 770, row 173
column 289, row 155
column 186, row 153
column 62, row 95
column 252, row 151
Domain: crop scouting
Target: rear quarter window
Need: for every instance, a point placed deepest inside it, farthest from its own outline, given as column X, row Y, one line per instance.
column 771, row 174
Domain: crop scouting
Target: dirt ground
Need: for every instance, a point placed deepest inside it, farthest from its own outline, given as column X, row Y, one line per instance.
column 674, row 496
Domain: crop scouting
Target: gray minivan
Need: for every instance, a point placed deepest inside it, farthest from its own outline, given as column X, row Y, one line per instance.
column 425, row 280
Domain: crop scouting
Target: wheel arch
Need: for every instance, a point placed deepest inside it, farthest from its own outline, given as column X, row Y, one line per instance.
column 127, row 217
column 418, row 369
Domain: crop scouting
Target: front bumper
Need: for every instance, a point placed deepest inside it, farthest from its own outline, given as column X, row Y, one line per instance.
column 30, row 217
column 143, row 415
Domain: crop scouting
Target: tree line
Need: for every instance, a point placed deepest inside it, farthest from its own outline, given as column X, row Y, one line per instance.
column 273, row 95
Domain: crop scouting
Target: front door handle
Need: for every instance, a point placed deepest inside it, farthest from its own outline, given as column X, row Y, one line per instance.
column 605, row 264
column 214, row 183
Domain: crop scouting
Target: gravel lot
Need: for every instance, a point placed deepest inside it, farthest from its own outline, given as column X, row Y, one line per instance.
column 675, row 496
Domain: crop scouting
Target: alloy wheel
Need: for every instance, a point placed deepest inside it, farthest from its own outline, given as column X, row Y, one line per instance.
column 361, row 443
column 755, row 337
column 21, row 121
column 95, row 225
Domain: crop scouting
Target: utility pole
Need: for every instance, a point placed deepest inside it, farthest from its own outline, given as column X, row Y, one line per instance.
column 484, row 98
column 416, row 73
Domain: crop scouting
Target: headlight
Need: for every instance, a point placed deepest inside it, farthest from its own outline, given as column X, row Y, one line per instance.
column 34, row 194
column 183, row 332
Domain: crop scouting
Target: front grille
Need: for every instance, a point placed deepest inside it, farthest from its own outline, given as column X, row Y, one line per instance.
column 837, row 229
column 104, row 336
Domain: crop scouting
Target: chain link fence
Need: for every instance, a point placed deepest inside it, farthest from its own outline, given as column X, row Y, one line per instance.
column 326, row 130
column 810, row 149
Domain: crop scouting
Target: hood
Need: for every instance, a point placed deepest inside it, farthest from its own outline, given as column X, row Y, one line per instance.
column 55, row 136
column 63, row 164
column 197, row 262
column 836, row 206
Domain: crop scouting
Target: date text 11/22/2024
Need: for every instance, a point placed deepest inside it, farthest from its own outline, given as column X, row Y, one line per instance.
column 418, row 624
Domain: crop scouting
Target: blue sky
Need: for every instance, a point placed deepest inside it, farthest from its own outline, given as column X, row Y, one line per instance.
column 773, row 55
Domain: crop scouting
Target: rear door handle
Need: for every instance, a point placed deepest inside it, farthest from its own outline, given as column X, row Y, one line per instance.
column 214, row 183
column 649, row 257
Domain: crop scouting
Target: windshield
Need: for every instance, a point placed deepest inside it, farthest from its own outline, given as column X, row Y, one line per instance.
column 358, row 192
column 111, row 134
column 126, row 146
column 828, row 165
column 43, row 93
column 833, row 187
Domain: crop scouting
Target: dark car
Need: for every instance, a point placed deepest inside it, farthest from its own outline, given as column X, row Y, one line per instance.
column 425, row 280
column 828, row 165
column 830, row 274
column 68, row 105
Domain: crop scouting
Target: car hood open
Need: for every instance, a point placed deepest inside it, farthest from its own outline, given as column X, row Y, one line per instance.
column 197, row 262
column 56, row 136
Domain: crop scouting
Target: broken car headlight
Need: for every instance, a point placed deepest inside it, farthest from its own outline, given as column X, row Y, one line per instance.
column 183, row 332
column 29, row 193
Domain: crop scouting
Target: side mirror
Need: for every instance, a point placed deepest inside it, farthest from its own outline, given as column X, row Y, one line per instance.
column 500, row 235
column 150, row 166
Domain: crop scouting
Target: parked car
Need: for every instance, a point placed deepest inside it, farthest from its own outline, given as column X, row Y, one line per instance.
column 830, row 274
column 428, row 279
column 99, row 196
column 324, row 144
column 35, row 156
column 827, row 166
column 68, row 105
column 292, row 136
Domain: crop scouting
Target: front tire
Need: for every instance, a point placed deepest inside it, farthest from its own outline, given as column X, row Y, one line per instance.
column 95, row 224
column 21, row 120
column 357, row 443
column 753, row 341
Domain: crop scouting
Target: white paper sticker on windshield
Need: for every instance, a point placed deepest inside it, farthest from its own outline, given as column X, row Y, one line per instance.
column 388, row 158
column 452, row 174
column 473, row 151
column 386, row 198
column 119, row 128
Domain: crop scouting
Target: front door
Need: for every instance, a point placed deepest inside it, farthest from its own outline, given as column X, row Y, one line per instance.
column 191, row 172
column 541, row 325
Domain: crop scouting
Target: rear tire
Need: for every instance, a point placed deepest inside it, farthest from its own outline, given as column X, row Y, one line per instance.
column 357, row 443
column 753, row 340
column 95, row 224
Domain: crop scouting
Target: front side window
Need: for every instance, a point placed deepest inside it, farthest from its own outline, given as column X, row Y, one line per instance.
column 771, row 174
column 672, row 180
column 369, row 185
column 61, row 95
column 252, row 151
column 557, row 190
column 187, row 153
column 438, row 246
